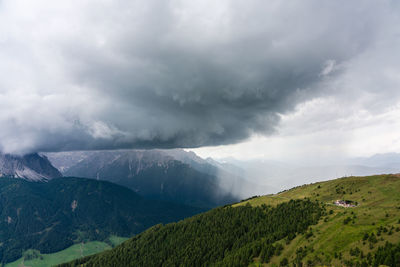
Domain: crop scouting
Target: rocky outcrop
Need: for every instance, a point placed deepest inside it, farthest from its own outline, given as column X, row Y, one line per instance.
column 32, row 167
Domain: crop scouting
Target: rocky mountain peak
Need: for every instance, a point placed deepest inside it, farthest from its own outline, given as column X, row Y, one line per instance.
column 33, row 167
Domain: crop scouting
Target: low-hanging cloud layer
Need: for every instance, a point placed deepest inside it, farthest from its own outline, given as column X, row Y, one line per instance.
column 79, row 75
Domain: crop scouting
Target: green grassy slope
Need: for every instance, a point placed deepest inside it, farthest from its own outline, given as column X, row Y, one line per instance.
column 341, row 237
column 378, row 207
column 34, row 258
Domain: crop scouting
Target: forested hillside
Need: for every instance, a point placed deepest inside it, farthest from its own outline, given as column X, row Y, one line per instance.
column 222, row 237
column 353, row 221
column 347, row 236
column 50, row 216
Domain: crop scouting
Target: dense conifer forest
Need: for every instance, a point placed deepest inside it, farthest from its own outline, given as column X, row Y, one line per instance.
column 225, row 236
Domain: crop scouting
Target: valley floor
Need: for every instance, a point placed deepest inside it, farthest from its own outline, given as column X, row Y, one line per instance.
column 33, row 258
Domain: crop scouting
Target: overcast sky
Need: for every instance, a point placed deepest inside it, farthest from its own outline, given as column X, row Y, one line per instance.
column 274, row 79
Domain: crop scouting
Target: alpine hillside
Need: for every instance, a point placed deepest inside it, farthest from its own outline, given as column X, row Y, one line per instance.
column 51, row 216
column 352, row 221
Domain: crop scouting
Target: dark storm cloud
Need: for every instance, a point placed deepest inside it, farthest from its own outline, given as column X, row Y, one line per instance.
column 124, row 74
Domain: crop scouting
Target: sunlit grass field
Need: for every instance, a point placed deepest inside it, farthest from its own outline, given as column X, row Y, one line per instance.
column 378, row 199
column 35, row 259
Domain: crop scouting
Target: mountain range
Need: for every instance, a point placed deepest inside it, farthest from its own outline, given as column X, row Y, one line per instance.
column 279, row 175
column 44, row 211
column 172, row 175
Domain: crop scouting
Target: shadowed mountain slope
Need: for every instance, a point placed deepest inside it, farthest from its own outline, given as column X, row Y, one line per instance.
column 172, row 175
column 50, row 216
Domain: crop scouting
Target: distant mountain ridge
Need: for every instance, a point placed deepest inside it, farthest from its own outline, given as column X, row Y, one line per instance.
column 283, row 175
column 172, row 175
column 64, row 161
column 32, row 167
column 382, row 160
